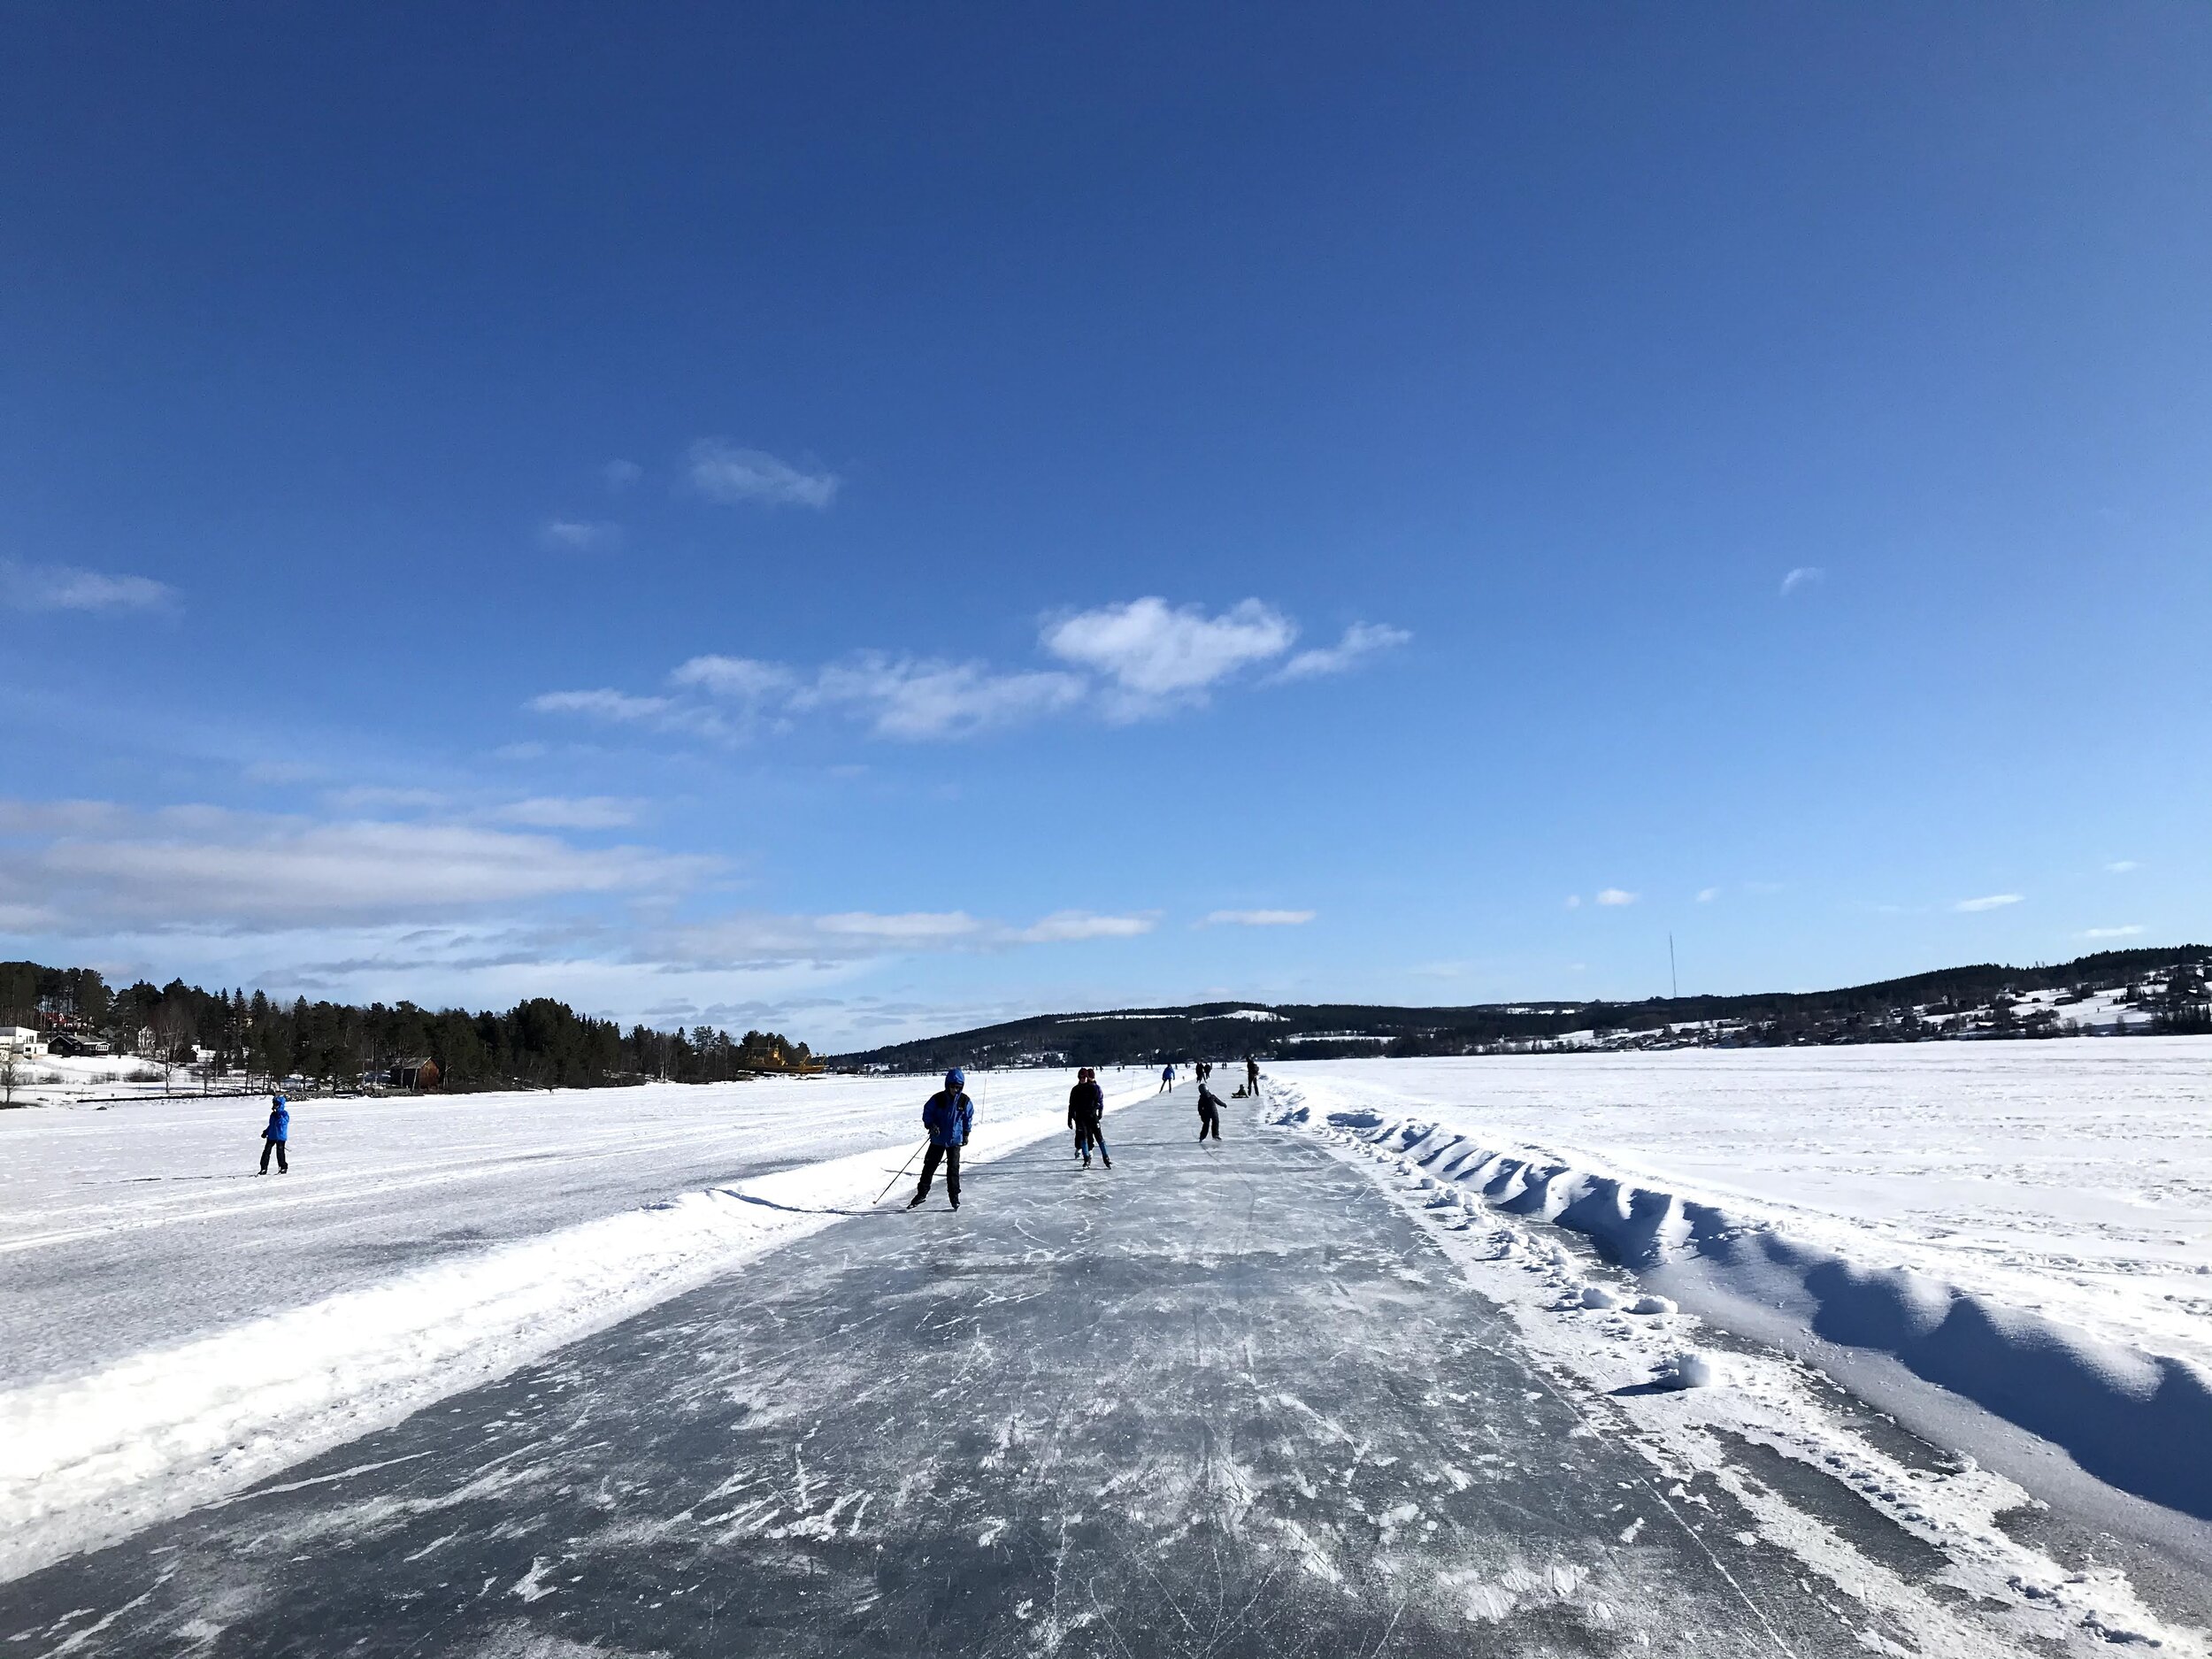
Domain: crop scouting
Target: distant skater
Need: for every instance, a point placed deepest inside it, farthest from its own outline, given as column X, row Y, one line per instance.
column 949, row 1116
column 1251, row 1075
column 1087, row 1114
column 1167, row 1078
column 1209, row 1113
column 273, row 1137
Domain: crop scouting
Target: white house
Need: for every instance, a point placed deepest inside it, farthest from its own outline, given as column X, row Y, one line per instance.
column 21, row 1041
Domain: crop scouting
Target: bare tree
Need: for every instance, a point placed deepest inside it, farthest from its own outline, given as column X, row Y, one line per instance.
column 10, row 1074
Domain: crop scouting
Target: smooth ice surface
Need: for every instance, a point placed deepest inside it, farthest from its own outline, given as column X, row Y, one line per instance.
column 2067, row 1177
column 143, row 1224
column 177, row 1326
column 1218, row 1402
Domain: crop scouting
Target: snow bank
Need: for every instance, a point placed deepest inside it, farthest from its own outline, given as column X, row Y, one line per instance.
column 2138, row 1419
column 87, row 1459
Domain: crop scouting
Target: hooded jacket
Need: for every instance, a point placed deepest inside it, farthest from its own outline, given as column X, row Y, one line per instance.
column 949, row 1118
column 280, row 1124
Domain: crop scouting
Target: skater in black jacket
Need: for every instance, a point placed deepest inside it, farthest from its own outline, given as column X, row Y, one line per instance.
column 1209, row 1113
column 1087, row 1114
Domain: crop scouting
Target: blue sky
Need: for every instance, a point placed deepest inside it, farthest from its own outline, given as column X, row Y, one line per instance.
column 867, row 520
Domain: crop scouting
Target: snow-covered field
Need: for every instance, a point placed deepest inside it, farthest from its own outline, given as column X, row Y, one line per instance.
column 2028, row 1225
column 174, row 1327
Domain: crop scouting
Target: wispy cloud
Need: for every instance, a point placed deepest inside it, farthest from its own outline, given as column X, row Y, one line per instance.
column 1257, row 918
column 2129, row 931
column 1574, row 901
column 744, row 678
column 1990, row 902
column 1361, row 641
column 725, row 471
column 1615, row 896
column 209, row 867
column 381, row 798
column 1140, row 660
column 578, row 536
column 620, row 475
column 1065, row 925
column 568, row 812
column 617, row 707
column 2121, row 866
column 905, row 697
column 1706, row 895
column 66, row 587
column 762, row 940
column 607, row 707
column 1803, row 576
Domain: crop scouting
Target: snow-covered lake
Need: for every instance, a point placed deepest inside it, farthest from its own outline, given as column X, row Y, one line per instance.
column 2071, row 1176
column 174, row 1326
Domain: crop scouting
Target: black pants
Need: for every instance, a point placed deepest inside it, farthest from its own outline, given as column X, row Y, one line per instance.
column 1090, row 1132
column 949, row 1156
column 277, row 1147
column 1209, row 1124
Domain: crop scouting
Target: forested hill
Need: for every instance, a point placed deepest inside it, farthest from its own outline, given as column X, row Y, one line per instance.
column 2116, row 991
column 228, row 1035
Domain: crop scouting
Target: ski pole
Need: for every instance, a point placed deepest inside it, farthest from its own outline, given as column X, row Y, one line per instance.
column 909, row 1164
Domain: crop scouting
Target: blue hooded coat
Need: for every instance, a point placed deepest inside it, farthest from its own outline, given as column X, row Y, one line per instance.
column 280, row 1124
column 949, row 1116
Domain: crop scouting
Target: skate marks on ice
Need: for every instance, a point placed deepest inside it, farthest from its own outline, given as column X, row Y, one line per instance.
column 1210, row 1403
column 1884, row 1517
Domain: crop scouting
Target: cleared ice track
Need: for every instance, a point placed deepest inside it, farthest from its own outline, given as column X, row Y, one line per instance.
column 1210, row 1402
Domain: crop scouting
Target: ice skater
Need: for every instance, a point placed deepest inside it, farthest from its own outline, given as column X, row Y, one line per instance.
column 1086, row 1113
column 1167, row 1078
column 1209, row 1113
column 273, row 1137
column 1251, row 1075
column 949, row 1116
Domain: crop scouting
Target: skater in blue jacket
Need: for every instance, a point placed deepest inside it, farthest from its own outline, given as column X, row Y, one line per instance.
column 273, row 1137
column 949, row 1116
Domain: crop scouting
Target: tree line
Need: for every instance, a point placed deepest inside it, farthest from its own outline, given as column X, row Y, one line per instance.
column 538, row 1043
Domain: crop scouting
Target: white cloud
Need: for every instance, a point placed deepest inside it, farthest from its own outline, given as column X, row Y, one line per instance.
column 744, row 679
column 1803, row 576
column 1137, row 660
column 578, row 536
column 758, row 941
column 66, row 587
column 615, row 707
column 2121, row 866
column 1257, row 918
column 1361, row 639
column 725, row 471
column 907, row 698
column 373, row 798
column 1574, row 901
column 2129, row 931
column 1155, row 656
column 210, row 867
column 1706, row 895
column 572, row 812
column 1992, row 901
column 1615, row 896
column 619, row 474
column 1073, row 924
